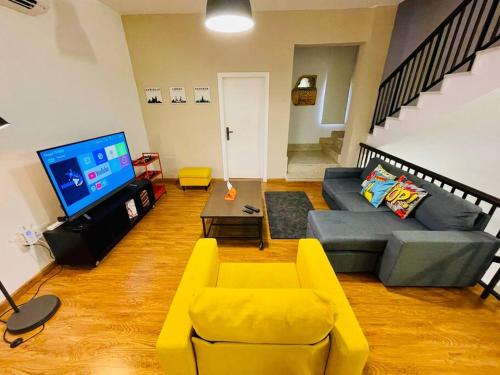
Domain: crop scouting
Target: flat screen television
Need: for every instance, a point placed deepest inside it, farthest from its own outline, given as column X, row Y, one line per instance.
column 85, row 173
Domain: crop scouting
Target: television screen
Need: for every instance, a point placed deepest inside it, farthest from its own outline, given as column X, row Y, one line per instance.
column 86, row 172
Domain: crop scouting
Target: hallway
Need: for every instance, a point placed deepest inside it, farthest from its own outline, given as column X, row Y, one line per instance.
column 309, row 164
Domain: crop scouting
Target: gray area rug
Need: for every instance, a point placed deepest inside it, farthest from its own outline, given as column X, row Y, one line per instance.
column 287, row 213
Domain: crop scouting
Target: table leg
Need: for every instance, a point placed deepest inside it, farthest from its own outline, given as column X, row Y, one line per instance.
column 204, row 227
column 261, row 243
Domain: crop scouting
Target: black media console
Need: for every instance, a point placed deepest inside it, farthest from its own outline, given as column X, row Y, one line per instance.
column 87, row 240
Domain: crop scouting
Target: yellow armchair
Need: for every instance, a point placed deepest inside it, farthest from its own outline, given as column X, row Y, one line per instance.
column 181, row 352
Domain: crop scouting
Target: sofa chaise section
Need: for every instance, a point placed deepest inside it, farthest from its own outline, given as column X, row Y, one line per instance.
column 354, row 241
column 436, row 258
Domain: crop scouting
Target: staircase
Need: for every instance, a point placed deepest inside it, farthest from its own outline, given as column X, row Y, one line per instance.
column 332, row 145
column 453, row 47
column 456, row 90
column 308, row 161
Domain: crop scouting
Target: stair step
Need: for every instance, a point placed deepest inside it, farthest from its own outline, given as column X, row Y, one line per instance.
column 338, row 145
column 330, row 151
column 308, row 171
column 337, row 134
column 326, row 141
column 486, row 60
column 304, row 147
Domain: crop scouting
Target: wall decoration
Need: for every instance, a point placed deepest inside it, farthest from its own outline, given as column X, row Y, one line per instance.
column 153, row 95
column 178, row 95
column 304, row 92
column 202, row 94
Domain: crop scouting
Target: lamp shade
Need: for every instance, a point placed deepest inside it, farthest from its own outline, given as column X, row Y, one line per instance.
column 3, row 123
column 229, row 16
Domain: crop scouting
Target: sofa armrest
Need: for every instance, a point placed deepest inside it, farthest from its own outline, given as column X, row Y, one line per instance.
column 349, row 348
column 174, row 345
column 436, row 258
column 342, row 173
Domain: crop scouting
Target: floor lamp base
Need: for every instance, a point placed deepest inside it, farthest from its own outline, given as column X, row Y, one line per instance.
column 33, row 314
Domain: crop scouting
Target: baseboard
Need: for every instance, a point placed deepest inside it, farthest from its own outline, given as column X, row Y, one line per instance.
column 28, row 285
column 174, row 180
column 303, row 179
column 276, row 180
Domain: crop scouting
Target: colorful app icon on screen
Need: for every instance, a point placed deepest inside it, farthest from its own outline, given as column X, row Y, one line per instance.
column 121, row 149
column 100, row 156
column 124, row 160
column 86, row 160
column 98, row 172
column 111, row 152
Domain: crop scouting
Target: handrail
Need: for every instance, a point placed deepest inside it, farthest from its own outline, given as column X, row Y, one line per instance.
column 367, row 152
column 473, row 25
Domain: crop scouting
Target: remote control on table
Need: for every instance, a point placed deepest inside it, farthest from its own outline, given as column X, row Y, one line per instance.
column 248, row 207
column 247, row 211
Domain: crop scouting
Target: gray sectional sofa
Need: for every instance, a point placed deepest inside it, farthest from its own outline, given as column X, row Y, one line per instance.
column 442, row 243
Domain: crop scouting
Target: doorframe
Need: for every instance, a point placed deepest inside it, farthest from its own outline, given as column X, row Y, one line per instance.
column 220, row 77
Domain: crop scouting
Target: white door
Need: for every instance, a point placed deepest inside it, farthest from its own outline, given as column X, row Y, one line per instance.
column 243, row 106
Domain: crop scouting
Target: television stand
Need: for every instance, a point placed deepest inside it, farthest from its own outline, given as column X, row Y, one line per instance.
column 88, row 239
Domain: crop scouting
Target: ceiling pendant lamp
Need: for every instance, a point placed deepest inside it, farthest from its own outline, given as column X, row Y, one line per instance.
column 229, row 16
column 3, row 123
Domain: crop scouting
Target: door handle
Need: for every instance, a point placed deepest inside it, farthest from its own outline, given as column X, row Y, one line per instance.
column 228, row 132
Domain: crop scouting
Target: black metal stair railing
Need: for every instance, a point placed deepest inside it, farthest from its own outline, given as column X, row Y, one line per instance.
column 471, row 27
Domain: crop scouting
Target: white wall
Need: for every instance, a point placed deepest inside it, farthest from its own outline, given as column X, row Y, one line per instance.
column 334, row 67
column 64, row 76
column 462, row 144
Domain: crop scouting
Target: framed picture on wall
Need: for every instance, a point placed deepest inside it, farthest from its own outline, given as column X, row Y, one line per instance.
column 178, row 95
column 202, row 95
column 153, row 95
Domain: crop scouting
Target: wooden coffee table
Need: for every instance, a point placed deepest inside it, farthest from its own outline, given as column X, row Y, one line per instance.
column 219, row 212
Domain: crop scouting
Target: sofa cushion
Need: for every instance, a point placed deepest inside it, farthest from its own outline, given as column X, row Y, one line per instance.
column 378, row 174
column 375, row 191
column 355, row 202
column 404, row 197
column 374, row 162
column 366, row 231
column 342, row 185
column 262, row 316
column 442, row 210
column 257, row 275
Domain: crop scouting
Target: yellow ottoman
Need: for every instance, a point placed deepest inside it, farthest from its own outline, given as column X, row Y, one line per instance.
column 195, row 176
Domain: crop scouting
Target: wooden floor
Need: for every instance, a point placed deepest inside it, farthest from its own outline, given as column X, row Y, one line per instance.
column 111, row 315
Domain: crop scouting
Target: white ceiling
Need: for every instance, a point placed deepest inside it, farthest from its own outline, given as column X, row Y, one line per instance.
column 198, row 6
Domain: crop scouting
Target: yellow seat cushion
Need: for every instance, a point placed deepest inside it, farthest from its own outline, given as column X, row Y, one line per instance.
column 262, row 316
column 226, row 358
column 194, row 181
column 258, row 275
column 195, row 172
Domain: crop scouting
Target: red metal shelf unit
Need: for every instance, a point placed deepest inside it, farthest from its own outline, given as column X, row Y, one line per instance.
column 144, row 164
